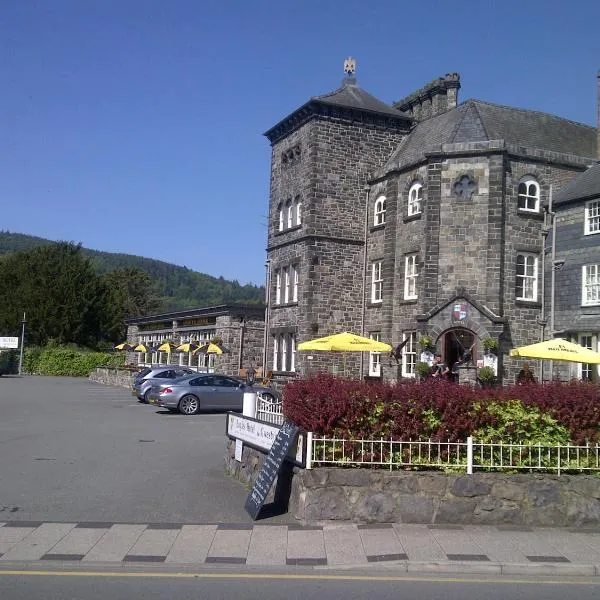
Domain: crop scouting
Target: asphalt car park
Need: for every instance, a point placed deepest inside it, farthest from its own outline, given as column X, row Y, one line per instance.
column 72, row 450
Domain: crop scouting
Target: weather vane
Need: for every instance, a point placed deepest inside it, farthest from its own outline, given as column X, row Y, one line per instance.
column 350, row 67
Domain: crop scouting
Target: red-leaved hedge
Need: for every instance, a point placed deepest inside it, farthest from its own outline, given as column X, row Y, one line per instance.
column 440, row 410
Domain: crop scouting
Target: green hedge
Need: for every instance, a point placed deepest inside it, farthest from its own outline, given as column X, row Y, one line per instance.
column 70, row 361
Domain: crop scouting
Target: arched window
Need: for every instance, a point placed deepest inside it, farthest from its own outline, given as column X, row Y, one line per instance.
column 280, row 216
column 290, row 214
column 529, row 195
column 298, row 211
column 415, row 197
column 379, row 212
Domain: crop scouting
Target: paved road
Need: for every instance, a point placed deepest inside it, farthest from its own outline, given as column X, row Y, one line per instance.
column 154, row 584
column 72, row 450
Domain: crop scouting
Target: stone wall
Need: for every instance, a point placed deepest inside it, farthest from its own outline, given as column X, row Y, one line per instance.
column 379, row 496
column 112, row 376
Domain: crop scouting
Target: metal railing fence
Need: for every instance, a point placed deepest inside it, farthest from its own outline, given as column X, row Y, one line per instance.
column 269, row 411
column 453, row 456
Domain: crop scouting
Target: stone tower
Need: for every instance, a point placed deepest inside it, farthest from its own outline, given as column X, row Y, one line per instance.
column 323, row 154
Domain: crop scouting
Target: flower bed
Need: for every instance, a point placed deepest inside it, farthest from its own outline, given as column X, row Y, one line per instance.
column 440, row 410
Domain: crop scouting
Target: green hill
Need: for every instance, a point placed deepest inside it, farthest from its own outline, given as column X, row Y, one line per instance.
column 177, row 287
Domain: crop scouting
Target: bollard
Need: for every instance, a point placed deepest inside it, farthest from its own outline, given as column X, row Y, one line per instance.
column 249, row 406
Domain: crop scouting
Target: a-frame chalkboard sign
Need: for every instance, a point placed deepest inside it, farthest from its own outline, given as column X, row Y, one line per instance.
column 271, row 468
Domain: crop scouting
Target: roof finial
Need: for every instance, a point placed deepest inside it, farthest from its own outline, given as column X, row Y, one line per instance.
column 350, row 67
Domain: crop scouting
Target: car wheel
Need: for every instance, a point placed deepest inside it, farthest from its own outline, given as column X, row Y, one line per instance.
column 189, row 405
column 146, row 397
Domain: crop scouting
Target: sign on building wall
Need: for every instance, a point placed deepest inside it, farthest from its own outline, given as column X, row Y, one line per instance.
column 9, row 342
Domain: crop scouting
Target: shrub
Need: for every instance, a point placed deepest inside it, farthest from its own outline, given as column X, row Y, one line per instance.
column 486, row 374
column 70, row 360
column 442, row 410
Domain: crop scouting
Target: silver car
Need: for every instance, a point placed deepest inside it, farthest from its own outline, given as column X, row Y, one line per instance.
column 144, row 380
column 205, row 391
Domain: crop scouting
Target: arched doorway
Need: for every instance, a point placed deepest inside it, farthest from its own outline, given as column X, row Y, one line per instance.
column 454, row 342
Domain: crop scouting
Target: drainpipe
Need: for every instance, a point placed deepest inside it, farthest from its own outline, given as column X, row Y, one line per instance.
column 553, row 271
column 367, row 190
column 267, row 298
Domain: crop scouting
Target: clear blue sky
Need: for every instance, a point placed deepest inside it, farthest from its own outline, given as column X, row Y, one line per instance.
column 136, row 125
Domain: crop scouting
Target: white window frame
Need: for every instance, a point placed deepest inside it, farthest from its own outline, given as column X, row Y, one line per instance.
column 590, row 285
column 586, row 370
column 275, row 352
column 415, row 199
column 292, row 353
column 375, row 357
column 290, row 214
column 409, row 354
column 284, row 352
column 281, row 218
column 278, row 286
column 299, row 212
column 527, row 197
column 531, row 260
column 379, row 211
column 286, row 285
column 410, row 277
column 592, row 217
column 295, row 284
column 377, row 282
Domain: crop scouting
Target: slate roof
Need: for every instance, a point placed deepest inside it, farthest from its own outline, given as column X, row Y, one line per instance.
column 474, row 121
column 351, row 95
column 585, row 185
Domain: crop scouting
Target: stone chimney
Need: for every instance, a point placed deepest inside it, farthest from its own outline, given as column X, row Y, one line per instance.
column 437, row 97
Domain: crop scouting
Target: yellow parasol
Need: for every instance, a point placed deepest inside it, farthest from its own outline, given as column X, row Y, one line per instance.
column 143, row 348
column 167, row 347
column 126, row 346
column 558, row 349
column 345, row 342
column 210, row 348
column 188, row 347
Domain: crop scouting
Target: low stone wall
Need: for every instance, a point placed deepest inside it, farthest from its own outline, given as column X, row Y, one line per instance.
column 378, row 496
column 112, row 376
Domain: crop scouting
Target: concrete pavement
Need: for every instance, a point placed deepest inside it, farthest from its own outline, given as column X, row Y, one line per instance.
column 493, row 550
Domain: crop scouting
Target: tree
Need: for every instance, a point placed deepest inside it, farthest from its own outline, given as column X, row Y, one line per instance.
column 56, row 286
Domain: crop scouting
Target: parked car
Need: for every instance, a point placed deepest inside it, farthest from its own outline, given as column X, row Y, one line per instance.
column 148, row 376
column 205, row 391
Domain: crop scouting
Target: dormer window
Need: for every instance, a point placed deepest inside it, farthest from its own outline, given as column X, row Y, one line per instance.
column 529, row 195
column 379, row 212
column 415, row 198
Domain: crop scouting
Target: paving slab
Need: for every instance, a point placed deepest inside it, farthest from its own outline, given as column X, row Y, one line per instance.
column 306, row 547
column 458, row 545
column 570, row 545
column 529, row 543
column 115, row 544
column 268, row 545
column 192, row 544
column 78, row 541
column 343, row 545
column 381, row 544
column 419, row 543
column 230, row 546
column 495, row 544
column 153, row 542
column 38, row 542
column 9, row 536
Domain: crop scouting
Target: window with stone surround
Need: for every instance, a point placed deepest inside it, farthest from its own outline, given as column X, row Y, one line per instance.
column 379, row 211
column 410, row 277
column 294, row 283
column 529, row 195
column 375, row 357
column 376, row 281
column 286, row 284
column 298, row 210
column 290, row 214
column 415, row 199
column 409, row 354
column 590, row 285
column 284, row 352
column 592, row 217
column 527, row 277
column 278, row 286
column 280, row 215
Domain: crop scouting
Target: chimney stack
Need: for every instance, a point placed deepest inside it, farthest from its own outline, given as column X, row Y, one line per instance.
column 437, row 97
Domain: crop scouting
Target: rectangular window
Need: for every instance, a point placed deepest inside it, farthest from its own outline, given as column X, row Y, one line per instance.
column 590, row 285
column 284, row 352
column 526, row 285
column 376, row 282
column 375, row 358
column 295, row 288
column 410, row 277
column 286, row 289
column 409, row 354
column 298, row 213
column 592, row 217
column 586, row 371
column 281, row 219
column 278, row 287
column 290, row 215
